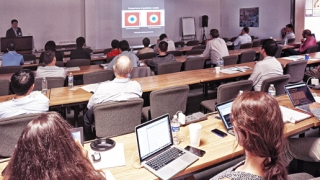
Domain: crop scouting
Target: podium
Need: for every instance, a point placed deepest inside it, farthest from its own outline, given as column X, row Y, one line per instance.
column 23, row 43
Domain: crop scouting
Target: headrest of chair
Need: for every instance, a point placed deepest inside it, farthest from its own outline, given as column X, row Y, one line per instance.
column 102, row 144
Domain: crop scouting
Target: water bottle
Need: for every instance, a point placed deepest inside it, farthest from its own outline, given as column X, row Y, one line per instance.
column 70, row 80
column 175, row 128
column 221, row 63
column 272, row 90
column 44, row 85
column 285, row 41
column 240, row 92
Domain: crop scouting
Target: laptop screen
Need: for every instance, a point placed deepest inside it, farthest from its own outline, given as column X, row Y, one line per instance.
column 224, row 110
column 153, row 136
column 299, row 94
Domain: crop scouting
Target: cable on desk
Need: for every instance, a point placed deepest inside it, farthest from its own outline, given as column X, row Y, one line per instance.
column 135, row 164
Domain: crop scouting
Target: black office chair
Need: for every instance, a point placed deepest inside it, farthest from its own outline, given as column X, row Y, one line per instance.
column 246, row 45
column 9, row 69
column 78, row 62
column 247, row 56
column 193, row 43
column 312, row 49
column 176, row 44
column 256, row 43
column 175, row 53
column 149, row 55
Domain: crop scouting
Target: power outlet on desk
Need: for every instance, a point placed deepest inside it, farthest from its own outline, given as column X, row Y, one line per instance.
column 195, row 117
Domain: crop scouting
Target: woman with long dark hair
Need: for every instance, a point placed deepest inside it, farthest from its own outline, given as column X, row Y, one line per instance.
column 46, row 150
column 258, row 126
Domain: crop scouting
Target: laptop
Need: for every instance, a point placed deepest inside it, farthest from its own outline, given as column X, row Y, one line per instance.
column 300, row 96
column 224, row 110
column 156, row 150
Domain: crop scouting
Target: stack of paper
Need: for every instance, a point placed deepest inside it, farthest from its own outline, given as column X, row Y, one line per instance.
column 292, row 116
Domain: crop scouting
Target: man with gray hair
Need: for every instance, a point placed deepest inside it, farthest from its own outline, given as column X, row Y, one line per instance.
column 50, row 70
column 119, row 89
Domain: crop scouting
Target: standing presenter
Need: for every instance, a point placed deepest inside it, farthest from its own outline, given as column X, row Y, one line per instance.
column 14, row 31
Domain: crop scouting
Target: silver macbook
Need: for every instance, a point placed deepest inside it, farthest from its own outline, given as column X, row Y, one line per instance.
column 156, row 150
column 224, row 110
column 300, row 96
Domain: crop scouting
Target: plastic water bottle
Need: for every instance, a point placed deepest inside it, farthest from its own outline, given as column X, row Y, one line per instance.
column 221, row 63
column 44, row 85
column 175, row 128
column 70, row 80
column 285, row 41
column 240, row 92
column 272, row 90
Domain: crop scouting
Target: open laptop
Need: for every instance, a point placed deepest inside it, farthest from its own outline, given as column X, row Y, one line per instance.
column 300, row 96
column 224, row 110
column 155, row 145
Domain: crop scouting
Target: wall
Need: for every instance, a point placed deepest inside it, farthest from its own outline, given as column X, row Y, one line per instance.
column 44, row 19
column 103, row 21
column 273, row 16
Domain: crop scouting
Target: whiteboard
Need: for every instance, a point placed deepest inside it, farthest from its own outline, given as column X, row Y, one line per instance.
column 188, row 26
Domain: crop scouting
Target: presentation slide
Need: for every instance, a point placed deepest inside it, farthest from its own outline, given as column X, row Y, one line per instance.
column 142, row 18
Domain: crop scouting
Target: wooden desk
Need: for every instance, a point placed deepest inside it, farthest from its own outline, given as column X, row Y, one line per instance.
column 310, row 62
column 11, row 96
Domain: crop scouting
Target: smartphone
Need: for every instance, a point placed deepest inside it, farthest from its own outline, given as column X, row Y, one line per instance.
column 195, row 151
column 219, row 133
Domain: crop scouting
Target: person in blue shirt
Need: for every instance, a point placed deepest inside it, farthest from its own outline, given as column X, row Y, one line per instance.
column 12, row 58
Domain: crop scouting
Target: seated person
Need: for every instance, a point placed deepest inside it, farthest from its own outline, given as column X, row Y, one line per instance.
column 146, row 49
column 268, row 67
column 115, row 49
column 164, row 37
column 289, row 33
column 50, row 70
column 307, row 41
column 46, row 150
column 258, row 127
column 216, row 47
column 119, row 89
column 79, row 52
column 163, row 57
column 25, row 101
column 124, row 51
column 243, row 38
column 51, row 45
column 12, row 58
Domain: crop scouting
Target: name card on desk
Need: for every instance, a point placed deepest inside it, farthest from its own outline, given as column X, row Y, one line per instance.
column 72, row 69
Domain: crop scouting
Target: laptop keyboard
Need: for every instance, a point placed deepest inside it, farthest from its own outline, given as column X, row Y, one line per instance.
column 165, row 158
column 305, row 108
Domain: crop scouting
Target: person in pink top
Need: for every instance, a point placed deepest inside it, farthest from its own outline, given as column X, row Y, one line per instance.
column 307, row 41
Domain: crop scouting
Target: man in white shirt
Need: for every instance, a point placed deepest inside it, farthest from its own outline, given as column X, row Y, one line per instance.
column 145, row 49
column 243, row 38
column 289, row 33
column 25, row 100
column 119, row 89
column 216, row 47
column 50, row 70
column 268, row 67
column 124, row 51
column 164, row 37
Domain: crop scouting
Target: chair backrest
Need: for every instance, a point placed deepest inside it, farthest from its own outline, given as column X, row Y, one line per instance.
column 175, row 53
column 246, row 45
column 168, row 100
column 4, row 87
column 78, row 62
column 292, row 40
column 105, row 51
column 140, row 72
column 60, row 63
column 29, row 57
column 9, row 69
column 247, row 56
column 148, row 55
column 98, row 76
column 192, row 43
column 278, row 53
column 296, row 70
column 169, row 67
column 278, row 81
column 194, row 63
column 194, row 51
column 230, row 60
column 109, row 59
column 318, row 43
column 117, row 118
column 230, row 91
column 53, row 82
column 256, row 43
column 176, row 44
column 10, row 131
column 199, row 47
column 312, row 49
column 262, row 41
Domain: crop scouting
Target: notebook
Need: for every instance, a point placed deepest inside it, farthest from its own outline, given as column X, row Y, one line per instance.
column 155, row 146
column 224, row 110
column 300, row 96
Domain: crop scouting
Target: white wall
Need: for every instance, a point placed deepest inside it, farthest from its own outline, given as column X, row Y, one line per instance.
column 273, row 16
column 58, row 20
